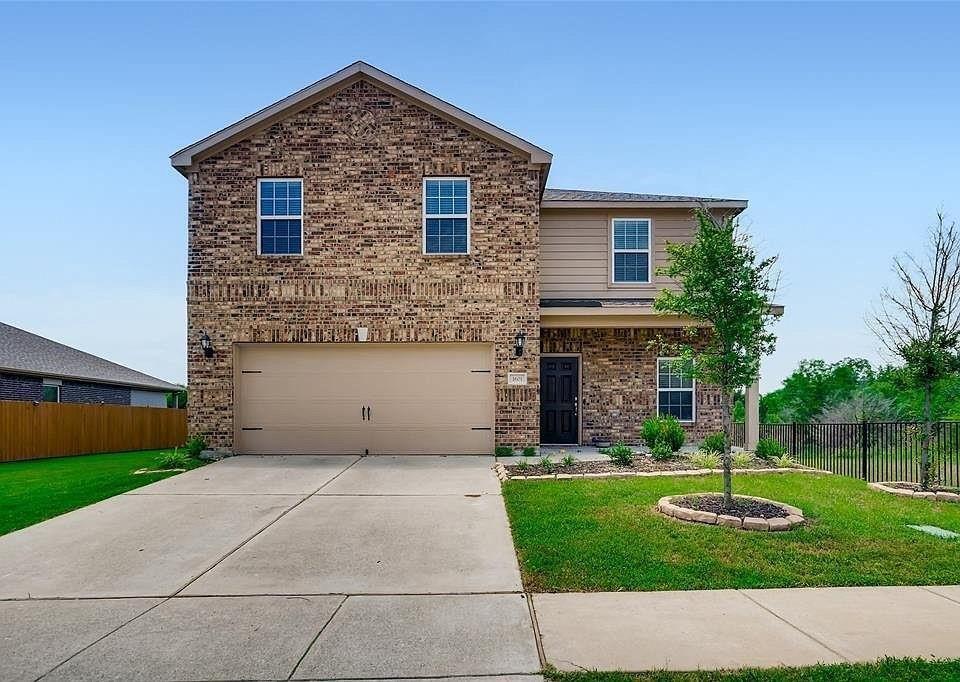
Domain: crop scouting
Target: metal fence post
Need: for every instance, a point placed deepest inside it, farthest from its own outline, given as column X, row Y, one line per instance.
column 864, row 444
column 793, row 441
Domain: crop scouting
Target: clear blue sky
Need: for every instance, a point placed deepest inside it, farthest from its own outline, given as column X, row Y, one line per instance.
column 840, row 124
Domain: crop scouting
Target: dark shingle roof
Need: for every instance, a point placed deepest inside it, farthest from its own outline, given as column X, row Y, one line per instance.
column 21, row 351
column 550, row 194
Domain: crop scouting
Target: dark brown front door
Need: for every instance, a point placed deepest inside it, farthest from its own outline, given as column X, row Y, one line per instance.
column 559, row 388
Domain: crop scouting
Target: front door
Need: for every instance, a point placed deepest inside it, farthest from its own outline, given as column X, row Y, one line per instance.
column 559, row 389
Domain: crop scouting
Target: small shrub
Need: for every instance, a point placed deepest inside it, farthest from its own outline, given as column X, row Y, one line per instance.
column 714, row 442
column 568, row 460
column 620, row 453
column 741, row 460
column 665, row 429
column 706, row 460
column 530, row 451
column 768, row 447
column 173, row 460
column 661, row 451
column 522, row 465
column 195, row 446
column 546, row 464
column 503, row 451
column 784, row 461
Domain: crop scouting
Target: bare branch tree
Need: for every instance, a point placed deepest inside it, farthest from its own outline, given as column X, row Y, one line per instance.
column 919, row 323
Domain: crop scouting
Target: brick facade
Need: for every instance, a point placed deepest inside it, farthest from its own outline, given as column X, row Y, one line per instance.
column 619, row 381
column 362, row 154
column 25, row 387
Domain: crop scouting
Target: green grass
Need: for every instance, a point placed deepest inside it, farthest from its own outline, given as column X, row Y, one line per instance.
column 36, row 490
column 889, row 669
column 606, row 535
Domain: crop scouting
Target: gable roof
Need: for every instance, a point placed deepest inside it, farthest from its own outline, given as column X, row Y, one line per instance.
column 582, row 198
column 184, row 159
column 26, row 353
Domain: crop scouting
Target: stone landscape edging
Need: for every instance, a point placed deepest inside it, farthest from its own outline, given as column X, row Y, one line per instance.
column 793, row 519
column 504, row 475
column 941, row 496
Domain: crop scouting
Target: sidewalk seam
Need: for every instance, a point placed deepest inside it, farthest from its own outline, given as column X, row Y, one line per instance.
column 317, row 636
column 536, row 630
column 937, row 594
column 795, row 627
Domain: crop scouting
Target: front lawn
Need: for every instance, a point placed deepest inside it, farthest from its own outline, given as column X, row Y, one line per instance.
column 606, row 535
column 889, row 670
column 36, row 490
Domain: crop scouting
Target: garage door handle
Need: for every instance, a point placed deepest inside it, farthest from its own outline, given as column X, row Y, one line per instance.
column 368, row 413
column 363, row 413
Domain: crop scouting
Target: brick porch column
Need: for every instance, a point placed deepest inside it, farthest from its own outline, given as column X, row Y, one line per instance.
column 751, row 404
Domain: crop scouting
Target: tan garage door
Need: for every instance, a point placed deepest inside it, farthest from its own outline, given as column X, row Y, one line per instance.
column 365, row 398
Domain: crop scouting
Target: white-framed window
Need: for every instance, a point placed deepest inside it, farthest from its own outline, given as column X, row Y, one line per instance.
column 630, row 261
column 280, row 216
column 446, row 216
column 676, row 389
column 50, row 391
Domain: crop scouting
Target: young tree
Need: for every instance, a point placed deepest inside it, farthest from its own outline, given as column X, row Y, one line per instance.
column 919, row 323
column 724, row 284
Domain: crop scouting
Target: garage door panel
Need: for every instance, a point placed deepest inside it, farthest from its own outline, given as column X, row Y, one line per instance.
column 308, row 398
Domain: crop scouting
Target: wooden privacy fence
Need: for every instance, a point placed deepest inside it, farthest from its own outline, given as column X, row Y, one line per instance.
column 32, row 431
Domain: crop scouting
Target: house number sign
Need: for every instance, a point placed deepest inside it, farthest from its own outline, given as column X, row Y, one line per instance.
column 516, row 378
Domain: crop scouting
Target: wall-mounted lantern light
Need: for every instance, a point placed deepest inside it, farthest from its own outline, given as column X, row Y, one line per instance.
column 206, row 345
column 518, row 342
column 362, row 334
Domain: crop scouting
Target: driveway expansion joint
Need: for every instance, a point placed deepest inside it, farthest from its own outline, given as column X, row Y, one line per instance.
column 794, row 626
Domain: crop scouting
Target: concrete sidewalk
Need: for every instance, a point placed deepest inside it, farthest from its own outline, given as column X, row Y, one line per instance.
column 713, row 629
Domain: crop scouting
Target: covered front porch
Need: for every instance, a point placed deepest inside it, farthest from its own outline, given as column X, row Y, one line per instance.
column 605, row 368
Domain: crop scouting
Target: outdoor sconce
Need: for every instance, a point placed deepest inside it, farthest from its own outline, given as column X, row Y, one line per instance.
column 518, row 342
column 206, row 345
column 362, row 334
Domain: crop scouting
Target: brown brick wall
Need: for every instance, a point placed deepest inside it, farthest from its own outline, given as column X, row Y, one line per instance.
column 362, row 154
column 619, row 382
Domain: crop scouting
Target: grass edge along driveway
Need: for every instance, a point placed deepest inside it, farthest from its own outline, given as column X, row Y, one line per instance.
column 888, row 669
column 35, row 490
column 587, row 535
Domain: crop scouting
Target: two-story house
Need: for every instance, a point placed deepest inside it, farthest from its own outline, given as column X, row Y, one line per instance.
column 372, row 269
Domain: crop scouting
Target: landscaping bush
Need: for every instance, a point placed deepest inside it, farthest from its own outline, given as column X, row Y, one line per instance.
column 173, row 460
column 784, row 461
column 620, row 453
column 661, row 451
column 503, row 451
column 714, row 442
column 768, row 447
column 530, row 451
column 666, row 429
column 522, row 465
column 741, row 460
column 568, row 460
column 546, row 464
column 705, row 460
column 195, row 446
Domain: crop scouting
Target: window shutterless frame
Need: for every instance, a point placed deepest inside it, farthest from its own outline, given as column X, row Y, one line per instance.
column 614, row 251
column 261, row 218
column 466, row 216
column 692, row 390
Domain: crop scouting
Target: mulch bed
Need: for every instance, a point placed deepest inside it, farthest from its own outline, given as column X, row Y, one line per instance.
column 741, row 507
column 915, row 487
column 641, row 463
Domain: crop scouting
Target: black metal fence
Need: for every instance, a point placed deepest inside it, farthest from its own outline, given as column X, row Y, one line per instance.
column 873, row 451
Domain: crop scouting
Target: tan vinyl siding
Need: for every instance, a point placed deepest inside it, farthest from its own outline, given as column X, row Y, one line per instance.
column 575, row 250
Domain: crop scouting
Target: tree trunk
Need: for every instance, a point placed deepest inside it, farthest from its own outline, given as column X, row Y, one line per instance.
column 926, row 439
column 726, row 406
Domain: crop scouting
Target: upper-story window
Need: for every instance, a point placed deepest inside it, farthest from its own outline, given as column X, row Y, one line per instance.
column 280, row 216
column 446, row 215
column 631, row 250
column 675, row 389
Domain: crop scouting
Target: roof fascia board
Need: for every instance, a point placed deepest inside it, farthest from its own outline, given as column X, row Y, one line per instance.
column 187, row 157
column 642, row 204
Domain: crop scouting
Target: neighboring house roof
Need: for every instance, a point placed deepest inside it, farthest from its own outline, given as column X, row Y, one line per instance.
column 582, row 198
column 26, row 353
column 184, row 159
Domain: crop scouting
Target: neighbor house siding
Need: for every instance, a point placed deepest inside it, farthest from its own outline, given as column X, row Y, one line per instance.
column 26, row 387
column 19, row 387
column 619, row 380
column 363, row 153
column 575, row 250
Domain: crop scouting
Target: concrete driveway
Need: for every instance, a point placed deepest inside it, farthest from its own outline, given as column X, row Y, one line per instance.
column 274, row 568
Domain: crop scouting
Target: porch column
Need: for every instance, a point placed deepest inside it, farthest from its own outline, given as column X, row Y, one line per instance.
column 751, row 426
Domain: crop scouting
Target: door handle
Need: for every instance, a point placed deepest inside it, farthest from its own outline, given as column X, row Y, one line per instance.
column 363, row 413
column 369, row 410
